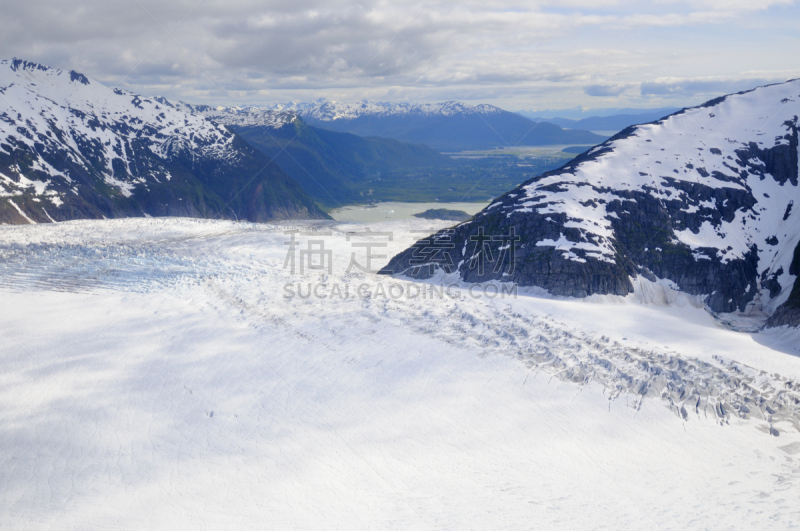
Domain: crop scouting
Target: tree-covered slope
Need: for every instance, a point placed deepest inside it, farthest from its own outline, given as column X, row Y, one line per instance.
column 330, row 166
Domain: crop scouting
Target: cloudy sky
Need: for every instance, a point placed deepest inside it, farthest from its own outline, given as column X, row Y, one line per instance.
column 516, row 54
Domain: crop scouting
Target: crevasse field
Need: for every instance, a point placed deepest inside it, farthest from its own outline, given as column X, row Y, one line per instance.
column 156, row 373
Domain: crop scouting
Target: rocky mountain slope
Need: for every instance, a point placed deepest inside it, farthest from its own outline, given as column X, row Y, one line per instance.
column 702, row 201
column 448, row 126
column 71, row 148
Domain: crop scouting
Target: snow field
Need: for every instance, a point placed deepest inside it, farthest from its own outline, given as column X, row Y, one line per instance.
column 155, row 376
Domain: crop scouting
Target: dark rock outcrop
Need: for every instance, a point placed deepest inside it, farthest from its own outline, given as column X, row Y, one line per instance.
column 788, row 313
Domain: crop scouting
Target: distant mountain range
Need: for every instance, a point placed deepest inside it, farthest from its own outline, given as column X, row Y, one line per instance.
column 614, row 122
column 337, row 168
column 579, row 113
column 449, row 126
column 71, row 148
column 703, row 201
column 334, row 168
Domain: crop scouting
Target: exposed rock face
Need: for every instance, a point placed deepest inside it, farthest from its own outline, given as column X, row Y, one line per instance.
column 788, row 313
column 701, row 201
column 71, row 148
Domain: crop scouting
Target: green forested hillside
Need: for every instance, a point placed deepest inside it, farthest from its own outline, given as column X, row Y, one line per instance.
column 336, row 169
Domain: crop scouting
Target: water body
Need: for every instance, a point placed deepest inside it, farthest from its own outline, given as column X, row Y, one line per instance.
column 517, row 151
column 393, row 210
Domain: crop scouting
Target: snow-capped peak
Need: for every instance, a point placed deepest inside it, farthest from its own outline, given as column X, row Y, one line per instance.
column 326, row 110
column 244, row 116
column 57, row 127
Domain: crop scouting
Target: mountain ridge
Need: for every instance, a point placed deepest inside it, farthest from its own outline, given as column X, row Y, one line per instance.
column 337, row 168
column 700, row 201
column 71, row 148
column 447, row 126
column 328, row 110
column 332, row 167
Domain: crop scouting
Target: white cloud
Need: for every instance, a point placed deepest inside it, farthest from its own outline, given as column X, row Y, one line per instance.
column 709, row 85
column 515, row 51
column 605, row 90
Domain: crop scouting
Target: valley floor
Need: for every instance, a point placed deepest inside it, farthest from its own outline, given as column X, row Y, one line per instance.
column 157, row 374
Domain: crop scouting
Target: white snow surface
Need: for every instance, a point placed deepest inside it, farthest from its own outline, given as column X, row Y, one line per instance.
column 63, row 110
column 156, row 376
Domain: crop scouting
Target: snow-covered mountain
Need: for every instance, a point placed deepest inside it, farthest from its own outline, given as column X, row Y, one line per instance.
column 702, row 201
column 73, row 148
column 241, row 116
column 447, row 126
column 326, row 110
